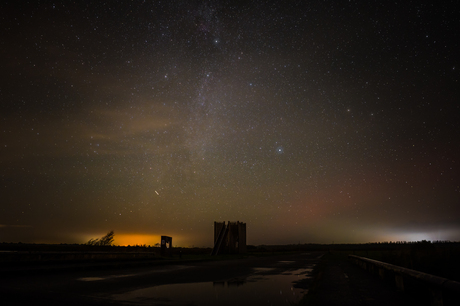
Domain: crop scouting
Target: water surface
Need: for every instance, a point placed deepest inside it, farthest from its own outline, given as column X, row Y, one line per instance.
column 264, row 286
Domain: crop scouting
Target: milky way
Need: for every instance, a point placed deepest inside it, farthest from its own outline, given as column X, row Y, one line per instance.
column 311, row 121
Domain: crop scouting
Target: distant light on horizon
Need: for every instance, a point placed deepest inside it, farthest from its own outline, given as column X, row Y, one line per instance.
column 408, row 236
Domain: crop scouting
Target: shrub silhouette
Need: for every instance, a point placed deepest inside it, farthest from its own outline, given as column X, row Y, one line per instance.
column 103, row 241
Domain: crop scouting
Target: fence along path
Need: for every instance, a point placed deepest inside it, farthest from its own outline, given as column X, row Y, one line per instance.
column 440, row 291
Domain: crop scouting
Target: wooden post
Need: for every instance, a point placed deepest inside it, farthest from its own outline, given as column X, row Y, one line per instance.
column 436, row 297
column 399, row 281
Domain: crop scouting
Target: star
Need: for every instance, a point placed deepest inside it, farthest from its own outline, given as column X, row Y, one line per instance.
column 181, row 115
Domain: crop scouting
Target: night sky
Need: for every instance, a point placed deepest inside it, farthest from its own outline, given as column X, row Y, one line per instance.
column 311, row 121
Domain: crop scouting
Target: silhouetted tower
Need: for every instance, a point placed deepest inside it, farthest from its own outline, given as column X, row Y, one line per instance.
column 230, row 238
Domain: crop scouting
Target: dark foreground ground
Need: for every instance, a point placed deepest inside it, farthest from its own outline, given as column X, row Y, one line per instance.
column 97, row 285
column 335, row 281
column 338, row 282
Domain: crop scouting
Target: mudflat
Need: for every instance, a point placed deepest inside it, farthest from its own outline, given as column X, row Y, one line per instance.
column 100, row 285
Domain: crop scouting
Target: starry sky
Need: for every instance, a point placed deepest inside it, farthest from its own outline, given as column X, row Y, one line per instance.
column 311, row 121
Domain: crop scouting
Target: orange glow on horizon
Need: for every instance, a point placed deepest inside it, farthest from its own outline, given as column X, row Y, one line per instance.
column 136, row 239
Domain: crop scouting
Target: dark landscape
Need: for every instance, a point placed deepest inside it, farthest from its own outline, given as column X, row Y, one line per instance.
column 20, row 262
column 437, row 258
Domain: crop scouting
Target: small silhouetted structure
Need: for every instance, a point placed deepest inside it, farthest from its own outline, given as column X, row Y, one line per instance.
column 166, row 246
column 230, row 238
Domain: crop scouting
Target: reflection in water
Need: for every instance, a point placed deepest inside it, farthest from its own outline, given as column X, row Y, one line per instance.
column 229, row 283
column 165, row 269
column 90, row 279
column 260, row 288
column 262, row 270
